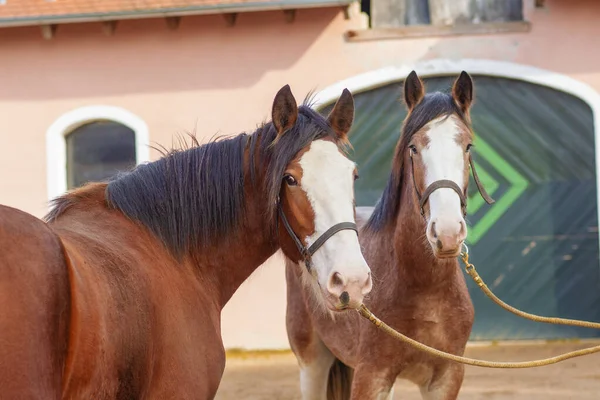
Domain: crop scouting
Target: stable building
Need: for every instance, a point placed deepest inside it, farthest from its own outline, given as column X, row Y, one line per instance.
column 90, row 87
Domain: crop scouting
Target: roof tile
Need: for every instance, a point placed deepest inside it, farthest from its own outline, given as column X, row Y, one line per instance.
column 53, row 8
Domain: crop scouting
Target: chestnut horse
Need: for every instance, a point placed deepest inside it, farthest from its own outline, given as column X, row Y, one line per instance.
column 119, row 295
column 411, row 242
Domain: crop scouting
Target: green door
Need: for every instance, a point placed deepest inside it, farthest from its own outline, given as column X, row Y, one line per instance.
column 537, row 246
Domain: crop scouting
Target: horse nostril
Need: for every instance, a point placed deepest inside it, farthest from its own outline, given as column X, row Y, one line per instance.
column 439, row 244
column 462, row 231
column 432, row 231
column 368, row 285
column 336, row 280
column 345, row 298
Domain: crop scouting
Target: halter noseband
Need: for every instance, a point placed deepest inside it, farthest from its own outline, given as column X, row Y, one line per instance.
column 445, row 183
column 307, row 252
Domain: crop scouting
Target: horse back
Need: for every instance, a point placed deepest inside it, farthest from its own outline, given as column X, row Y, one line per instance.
column 35, row 302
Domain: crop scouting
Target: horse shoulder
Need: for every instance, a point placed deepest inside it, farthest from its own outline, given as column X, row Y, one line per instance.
column 108, row 316
column 137, row 311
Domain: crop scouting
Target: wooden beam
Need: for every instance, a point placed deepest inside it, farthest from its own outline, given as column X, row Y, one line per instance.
column 48, row 31
column 173, row 23
column 109, row 27
column 230, row 18
column 419, row 31
column 290, row 16
column 346, row 11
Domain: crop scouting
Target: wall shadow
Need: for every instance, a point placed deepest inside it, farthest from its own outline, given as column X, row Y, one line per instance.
column 144, row 56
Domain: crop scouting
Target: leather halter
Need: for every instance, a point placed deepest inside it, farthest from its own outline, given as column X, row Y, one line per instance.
column 308, row 252
column 445, row 183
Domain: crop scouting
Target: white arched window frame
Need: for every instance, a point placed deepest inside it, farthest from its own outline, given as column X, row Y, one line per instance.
column 445, row 67
column 56, row 145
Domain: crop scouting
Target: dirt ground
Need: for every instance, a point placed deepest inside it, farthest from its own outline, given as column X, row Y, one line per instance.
column 275, row 376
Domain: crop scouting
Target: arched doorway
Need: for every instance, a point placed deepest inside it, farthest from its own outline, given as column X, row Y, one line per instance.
column 537, row 247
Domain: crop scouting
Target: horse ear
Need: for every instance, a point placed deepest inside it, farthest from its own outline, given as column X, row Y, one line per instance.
column 414, row 90
column 285, row 110
column 462, row 92
column 342, row 115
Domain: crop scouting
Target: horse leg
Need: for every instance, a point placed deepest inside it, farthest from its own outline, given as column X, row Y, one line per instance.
column 369, row 383
column 314, row 371
column 445, row 385
column 314, row 358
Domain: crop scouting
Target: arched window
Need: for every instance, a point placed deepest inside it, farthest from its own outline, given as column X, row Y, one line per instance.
column 97, row 151
column 93, row 143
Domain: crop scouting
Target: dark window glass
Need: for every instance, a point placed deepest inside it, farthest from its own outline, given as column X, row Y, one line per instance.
column 97, row 151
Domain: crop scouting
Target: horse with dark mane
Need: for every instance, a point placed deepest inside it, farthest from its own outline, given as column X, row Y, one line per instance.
column 411, row 242
column 119, row 295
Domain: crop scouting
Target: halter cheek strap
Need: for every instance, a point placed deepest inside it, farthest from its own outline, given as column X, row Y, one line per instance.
column 307, row 252
column 480, row 187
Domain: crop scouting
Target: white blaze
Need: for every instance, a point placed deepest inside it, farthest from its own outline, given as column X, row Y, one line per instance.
column 444, row 158
column 328, row 180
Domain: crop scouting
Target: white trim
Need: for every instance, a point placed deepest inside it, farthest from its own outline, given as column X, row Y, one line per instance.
column 442, row 67
column 56, row 147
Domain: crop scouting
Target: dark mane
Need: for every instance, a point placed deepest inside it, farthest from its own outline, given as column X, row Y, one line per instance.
column 195, row 196
column 433, row 105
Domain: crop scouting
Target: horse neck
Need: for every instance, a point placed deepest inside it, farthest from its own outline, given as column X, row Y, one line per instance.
column 417, row 265
column 232, row 261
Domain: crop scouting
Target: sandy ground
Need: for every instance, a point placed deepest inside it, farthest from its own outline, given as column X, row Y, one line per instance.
column 275, row 376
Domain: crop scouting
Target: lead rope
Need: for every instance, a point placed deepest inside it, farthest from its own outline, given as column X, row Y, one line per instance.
column 470, row 269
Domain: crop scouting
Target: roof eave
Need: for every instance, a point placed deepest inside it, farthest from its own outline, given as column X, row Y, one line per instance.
column 172, row 12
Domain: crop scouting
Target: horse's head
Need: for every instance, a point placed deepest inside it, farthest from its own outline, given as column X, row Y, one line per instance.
column 438, row 138
column 316, row 211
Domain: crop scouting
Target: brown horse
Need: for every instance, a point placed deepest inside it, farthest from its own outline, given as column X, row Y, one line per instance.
column 119, row 295
column 410, row 241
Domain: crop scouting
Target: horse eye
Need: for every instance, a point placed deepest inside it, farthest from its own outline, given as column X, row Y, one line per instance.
column 469, row 147
column 413, row 149
column 290, row 180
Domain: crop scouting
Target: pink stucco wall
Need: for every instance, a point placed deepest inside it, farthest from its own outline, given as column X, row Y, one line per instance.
column 218, row 79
